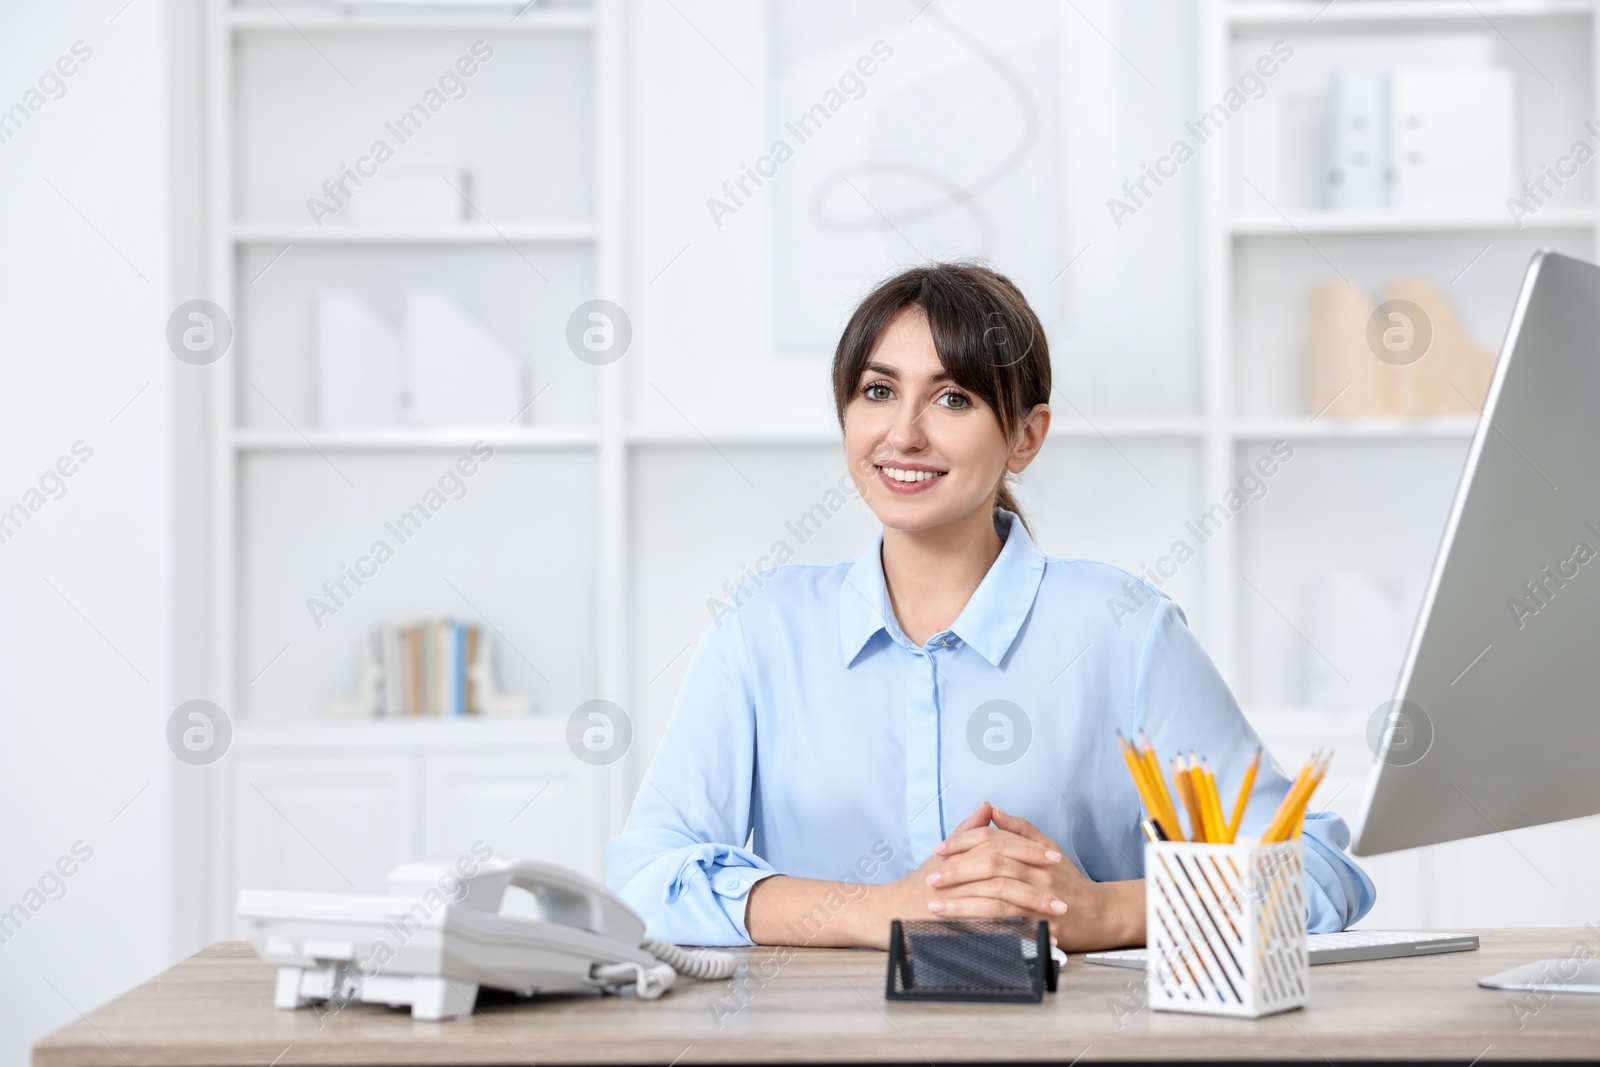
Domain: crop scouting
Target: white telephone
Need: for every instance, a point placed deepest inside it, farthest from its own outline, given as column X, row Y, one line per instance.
column 438, row 936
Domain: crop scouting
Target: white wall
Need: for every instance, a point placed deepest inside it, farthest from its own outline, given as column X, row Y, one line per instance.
column 86, row 585
column 735, row 315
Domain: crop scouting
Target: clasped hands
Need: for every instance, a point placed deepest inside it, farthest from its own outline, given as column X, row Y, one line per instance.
column 996, row 865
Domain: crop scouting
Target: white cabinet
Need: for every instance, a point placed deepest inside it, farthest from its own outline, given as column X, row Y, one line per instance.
column 529, row 805
column 332, row 806
column 1537, row 876
column 320, row 822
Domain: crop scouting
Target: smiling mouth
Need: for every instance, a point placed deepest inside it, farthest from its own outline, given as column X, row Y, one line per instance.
column 900, row 475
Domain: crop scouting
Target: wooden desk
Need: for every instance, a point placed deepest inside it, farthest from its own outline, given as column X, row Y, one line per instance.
column 828, row 1006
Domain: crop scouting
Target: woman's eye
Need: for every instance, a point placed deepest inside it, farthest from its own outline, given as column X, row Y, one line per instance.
column 876, row 391
column 956, row 401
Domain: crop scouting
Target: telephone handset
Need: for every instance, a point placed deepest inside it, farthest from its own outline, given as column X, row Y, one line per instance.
column 441, row 933
column 564, row 896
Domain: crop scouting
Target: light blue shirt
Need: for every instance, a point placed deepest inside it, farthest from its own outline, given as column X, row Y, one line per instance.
column 812, row 738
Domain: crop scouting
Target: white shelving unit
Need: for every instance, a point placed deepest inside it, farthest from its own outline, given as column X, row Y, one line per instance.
column 1233, row 33
column 1255, row 260
column 374, row 793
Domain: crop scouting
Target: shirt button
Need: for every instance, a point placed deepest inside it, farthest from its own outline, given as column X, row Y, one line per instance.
column 730, row 885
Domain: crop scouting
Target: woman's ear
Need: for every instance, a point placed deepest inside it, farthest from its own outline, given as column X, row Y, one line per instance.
column 1030, row 438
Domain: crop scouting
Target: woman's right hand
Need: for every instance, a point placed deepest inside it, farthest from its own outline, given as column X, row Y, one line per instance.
column 904, row 898
column 909, row 897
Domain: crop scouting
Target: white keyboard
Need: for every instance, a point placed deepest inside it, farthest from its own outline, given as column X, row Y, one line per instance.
column 1345, row 947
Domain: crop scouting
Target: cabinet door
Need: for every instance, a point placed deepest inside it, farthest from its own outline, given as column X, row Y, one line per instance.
column 334, row 822
column 529, row 805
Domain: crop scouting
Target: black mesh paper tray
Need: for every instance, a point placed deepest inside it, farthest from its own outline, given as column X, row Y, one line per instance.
column 992, row 960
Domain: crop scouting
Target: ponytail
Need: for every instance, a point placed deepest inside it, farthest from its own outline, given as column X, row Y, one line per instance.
column 1005, row 499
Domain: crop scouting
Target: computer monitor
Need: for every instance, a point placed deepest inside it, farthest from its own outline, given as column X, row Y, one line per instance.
column 1495, row 720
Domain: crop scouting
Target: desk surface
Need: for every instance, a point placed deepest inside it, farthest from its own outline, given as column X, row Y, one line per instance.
column 825, row 1005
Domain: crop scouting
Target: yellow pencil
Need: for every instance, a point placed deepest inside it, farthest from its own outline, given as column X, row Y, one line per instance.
column 1297, row 813
column 1152, row 768
column 1283, row 819
column 1197, row 787
column 1141, row 782
column 1270, row 833
column 1243, row 798
column 1185, row 785
column 1135, row 769
column 1168, row 814
column 1219, row 828
column 1316, row 780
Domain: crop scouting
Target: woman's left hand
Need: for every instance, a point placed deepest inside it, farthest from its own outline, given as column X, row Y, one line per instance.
column 1013, row 863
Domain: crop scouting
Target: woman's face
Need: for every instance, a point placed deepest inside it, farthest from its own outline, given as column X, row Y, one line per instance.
column 923, row 451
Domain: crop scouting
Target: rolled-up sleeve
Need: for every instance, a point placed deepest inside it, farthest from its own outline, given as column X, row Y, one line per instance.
column 679, row 861
column 1181, row 701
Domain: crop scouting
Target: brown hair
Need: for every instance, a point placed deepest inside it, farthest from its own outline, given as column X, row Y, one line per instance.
column 988, row 339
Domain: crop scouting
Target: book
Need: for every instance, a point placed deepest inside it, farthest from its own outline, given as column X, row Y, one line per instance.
column 414, row 670
column 469, row 687
column 459, row 682
column 394, row 690
column 428, row 667
column 431, row 667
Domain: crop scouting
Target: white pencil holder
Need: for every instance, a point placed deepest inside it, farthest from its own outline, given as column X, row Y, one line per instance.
column 1226, row 927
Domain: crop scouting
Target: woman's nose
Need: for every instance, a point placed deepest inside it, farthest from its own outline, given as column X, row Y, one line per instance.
column 907, row 432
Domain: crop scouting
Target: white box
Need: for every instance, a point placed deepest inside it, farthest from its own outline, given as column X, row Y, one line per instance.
column 361, row 372
column 416, row 194
column 1358, row 148
column 1226, row 927
column 460, row 373
column 1452, row 138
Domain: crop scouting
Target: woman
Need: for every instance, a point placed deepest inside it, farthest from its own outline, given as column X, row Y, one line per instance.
column 931, row 730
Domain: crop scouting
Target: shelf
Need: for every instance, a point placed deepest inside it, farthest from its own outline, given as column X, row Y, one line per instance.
column 516, row 233
column 1330, row 429
column 1332, row 222
column 402, row 439
column 1304, row 720
column 1176, row 428
column 323, row 20
column 414, row 438
column 410, row 732
column 680, row 436
column 1252, row 13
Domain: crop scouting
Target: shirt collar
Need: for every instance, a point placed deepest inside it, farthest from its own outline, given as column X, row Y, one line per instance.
column 990, row 621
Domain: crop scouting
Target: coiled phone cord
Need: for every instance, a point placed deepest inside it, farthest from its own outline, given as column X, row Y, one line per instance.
column 650, row 982
column 702, row 963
